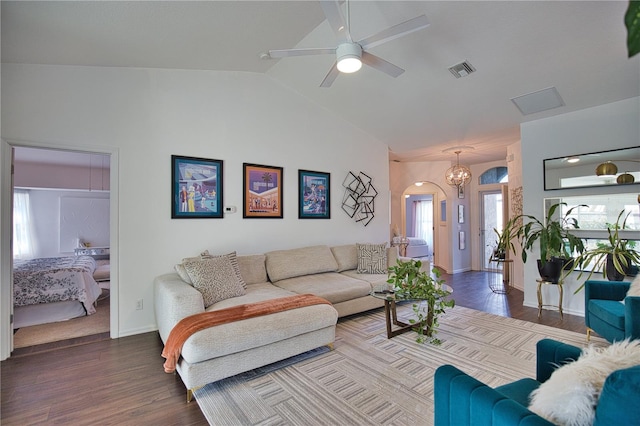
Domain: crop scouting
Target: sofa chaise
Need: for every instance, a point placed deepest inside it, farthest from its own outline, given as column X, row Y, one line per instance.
column 225, row 350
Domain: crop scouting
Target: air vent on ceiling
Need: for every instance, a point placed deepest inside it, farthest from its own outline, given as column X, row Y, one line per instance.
column 462, row 69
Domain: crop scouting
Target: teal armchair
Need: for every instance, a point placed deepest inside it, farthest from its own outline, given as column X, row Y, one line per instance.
column 462, row 400
column 604, row 313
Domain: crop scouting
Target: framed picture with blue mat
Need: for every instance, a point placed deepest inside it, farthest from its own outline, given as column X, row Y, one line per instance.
column 314, row 190
column 196, row 188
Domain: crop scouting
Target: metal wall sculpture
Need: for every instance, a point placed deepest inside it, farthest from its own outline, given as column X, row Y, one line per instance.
column 359, row 197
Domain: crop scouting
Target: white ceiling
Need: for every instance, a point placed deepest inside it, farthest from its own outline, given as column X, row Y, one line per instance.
column 517, row 47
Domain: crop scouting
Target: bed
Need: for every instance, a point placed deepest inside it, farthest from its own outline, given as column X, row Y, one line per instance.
column 53, row 289
column 417, row 247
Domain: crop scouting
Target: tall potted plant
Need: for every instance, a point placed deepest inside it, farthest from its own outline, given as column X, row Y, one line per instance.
column 556, row 242
column 429, row 296
column 614, row 257
column 504, row 241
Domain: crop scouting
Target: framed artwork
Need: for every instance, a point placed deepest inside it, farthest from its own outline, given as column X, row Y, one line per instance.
column 196, row 188
column 460, row 191
column 443, row 211
column 462, row 241
column 262, row 191
column 460, row 213
column 314, row 195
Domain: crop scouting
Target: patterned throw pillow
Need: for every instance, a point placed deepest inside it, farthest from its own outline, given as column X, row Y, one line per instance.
column 372, row 258
column 182, row 272
column 217, row 278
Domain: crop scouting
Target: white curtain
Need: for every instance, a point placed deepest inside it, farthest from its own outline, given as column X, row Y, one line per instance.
column 423, row 214
column 23, row 237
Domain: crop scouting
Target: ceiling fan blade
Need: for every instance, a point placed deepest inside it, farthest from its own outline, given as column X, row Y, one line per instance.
column 285, row 53
column 331, row 76
column 381, row 65
column 334, row 15
column 395, row 32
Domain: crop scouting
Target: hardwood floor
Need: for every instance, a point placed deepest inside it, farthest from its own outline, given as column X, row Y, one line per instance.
column 121, row 381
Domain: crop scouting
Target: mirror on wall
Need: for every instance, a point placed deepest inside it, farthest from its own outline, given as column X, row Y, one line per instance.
column 605, row 168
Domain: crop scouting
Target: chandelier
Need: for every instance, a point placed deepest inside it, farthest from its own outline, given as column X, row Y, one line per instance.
column 458, row 175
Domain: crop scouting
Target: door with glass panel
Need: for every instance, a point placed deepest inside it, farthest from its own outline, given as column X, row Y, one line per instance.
column 492, row 218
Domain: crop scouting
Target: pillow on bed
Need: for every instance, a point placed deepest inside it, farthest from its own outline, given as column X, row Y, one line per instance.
column 216, row 277
column 372, row 258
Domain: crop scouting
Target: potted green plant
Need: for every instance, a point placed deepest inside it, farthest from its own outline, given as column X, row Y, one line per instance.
column 429, row 295
column 556, row 242
column 614, row 257
column 504, row 240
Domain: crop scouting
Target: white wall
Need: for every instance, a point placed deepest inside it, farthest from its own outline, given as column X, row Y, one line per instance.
column 38, row 175
column 605, row 127
column 55, row 238
column 148, row 115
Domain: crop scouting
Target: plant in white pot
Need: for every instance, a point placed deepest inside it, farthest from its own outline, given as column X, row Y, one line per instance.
column 428, row 294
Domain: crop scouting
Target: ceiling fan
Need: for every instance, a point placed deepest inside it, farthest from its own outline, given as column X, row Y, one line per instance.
column 351, row 54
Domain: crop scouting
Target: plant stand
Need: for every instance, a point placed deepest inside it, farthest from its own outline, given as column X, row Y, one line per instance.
column 500, row 282
column 541, row 304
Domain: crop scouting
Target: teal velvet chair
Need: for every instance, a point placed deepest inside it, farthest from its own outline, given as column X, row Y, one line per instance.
column 604, row 313
column 462, row 400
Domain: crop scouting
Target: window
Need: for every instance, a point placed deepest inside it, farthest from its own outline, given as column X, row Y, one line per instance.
column 602, row 210
column 494, row 175
column 23, row 247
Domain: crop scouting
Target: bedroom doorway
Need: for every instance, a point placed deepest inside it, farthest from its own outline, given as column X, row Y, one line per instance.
column 428, row 196
column 419, row 225
column 62, row 209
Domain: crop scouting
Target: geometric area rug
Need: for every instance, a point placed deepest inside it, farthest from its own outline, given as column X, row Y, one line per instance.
column 371, row 380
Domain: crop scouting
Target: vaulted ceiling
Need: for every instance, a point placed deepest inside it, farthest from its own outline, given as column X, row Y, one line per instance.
column 517, row 47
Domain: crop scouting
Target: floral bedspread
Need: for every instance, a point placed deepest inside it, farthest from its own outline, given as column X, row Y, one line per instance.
column 55, row 279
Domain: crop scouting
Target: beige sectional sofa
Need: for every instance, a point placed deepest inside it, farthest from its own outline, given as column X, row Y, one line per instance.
column 226, row 350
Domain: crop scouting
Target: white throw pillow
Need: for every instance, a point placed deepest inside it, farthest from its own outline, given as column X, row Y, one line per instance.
column 372, row 258
column 216, row 277
column 634, row 288
column 571, row 394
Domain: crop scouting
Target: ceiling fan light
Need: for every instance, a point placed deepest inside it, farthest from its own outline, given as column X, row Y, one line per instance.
column 349, row 64
column 349, row 57
column 606, row 169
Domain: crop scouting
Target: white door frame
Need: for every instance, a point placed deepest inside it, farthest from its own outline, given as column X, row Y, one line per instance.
column 6, row 236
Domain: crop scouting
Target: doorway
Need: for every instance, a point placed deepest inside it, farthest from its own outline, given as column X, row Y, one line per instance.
column 492, row 218
column 69, row 195
column 419, row 225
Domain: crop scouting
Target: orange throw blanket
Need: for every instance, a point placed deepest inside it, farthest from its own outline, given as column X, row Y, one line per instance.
column 194, row 323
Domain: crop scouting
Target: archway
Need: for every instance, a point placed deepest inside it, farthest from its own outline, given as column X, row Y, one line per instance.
column 420, row 209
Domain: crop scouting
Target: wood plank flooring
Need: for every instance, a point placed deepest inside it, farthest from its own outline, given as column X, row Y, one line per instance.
column 121, row 381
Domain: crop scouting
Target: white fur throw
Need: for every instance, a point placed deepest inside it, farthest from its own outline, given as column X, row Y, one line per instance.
column 571, row 394
column 634, row 288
